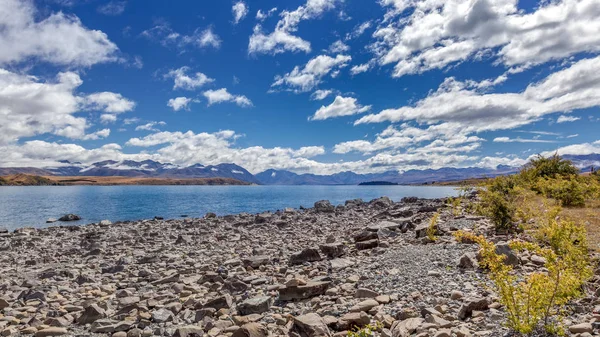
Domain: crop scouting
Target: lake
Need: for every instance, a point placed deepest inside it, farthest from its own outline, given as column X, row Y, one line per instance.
column 22, row 206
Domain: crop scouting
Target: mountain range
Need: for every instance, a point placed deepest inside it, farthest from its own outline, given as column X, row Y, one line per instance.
column 154, row 169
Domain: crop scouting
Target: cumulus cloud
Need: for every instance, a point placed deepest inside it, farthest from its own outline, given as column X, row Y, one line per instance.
column 572, row 88
column 97, row 135
column 151, row 126
column 438, row 34
column 341, row 106
column 184, row 81
column 58, row 39
column 222, row 95
column 208, row 38
column 282, row 39
column 338, row 47
column 361, row 68
column 359, row 30
column 179, row 103
column 239, row 10
column 30, row 106
column 320, row 95
column 108, row 118
column 306, row 78
column 520, row 140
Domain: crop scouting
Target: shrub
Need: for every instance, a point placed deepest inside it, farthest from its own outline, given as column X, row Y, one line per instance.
column 548, row 167
column 454, row 204
column 432, row 228
column 367, row 331
column 534, row 299
column 499, row 201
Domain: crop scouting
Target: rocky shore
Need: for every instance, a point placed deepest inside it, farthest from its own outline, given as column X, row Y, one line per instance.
column 308, row 272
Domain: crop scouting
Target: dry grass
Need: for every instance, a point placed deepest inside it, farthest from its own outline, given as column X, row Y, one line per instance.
column 589, row 216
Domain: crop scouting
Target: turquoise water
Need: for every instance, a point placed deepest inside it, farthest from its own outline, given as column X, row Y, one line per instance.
column 32, row 205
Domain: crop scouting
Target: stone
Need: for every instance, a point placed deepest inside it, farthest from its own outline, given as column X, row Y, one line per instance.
column 370, row 244
column 256, row 305
column 443, row 333
column 51, row 220
column 54, row 331
column 471, row 304
column 189, row 331
column 365, row 293
column 306, row 255
column 382, row 202
column 365, row 236
column 365, row 305
column 468, row 261
column 219, row 302
column 406, row 327
column 324, row 206
column 383, row 299
column 581, row 328
column 310, row 325
column 3, row 304
column 538, row 260
column 422, row 229
column 504, row 249
column 251, row 330
column 256, row 261
column 332, row 250
column 341, row 263
column 69, row 217
column 162, row 315
column 352, row 319
column 91, row 314
column 311, row 289
column 456, row 295
column 438, row 321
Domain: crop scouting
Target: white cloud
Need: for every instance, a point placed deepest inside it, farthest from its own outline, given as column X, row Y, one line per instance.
column 97, row 135
column 108, row 118
column 58, row 39
column 239, row 10
column 261, row 16
column 305, row 79
column 282, row 39
column 108, row 102
column 437, row 34
column 113, row 8
column 319, row 95
column 565, row 119
column 200, row 38
column 576, row 149
column 359, row 30
column 572, row 88
column 151, row 126
column 361, row 68
column 341, row 106
column 520, row 140
column 184, row 81
column 179, row 103
column 222, row 95
column 338, row 47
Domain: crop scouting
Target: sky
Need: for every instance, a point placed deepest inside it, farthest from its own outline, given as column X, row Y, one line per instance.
column 309, row 86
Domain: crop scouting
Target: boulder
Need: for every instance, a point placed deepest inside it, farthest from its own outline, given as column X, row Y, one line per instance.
column 406, row 327
column 504, row 249
column 324, row 206
column 256, row 305
column 3, row 304
column 337, row 264
column 365, row 305
column 91, row 314
column 306, row 255
column 365, row 293
column 69, row 217
column 189, row 331
column 311, row 289
column 367, row 244
column 365, row 235
column 382, row 202
column 332, row 250
column 468, row 261
column 352, row 319
column 256, row 261
column 310, row 325
column 219, row 302
column 251, row 330
column 53, row 331
column 581, row 328
column 471, row 304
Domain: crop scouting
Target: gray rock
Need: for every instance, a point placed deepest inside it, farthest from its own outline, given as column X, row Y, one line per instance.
column 311, row 289
column 219, row 302
column 406, row 327
column 324, row 206
column 306, row 255
column 189, row 331
column 256, row 261
column 511, row 258
column 251, row 330
column 337, row 264
column 468, row 261
column 162, row 315
column 471, row 304
column 256, row 305
column 69, row 217
column 370, row 244
column 310, row 325
column 91, row 314
column 53, row 331
column 332, row 250
column 581, row 328
column 365, row 293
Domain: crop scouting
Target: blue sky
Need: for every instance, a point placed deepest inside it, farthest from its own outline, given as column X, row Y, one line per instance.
column 318, row 86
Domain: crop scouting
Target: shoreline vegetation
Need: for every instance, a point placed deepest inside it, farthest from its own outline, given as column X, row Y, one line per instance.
column 32, row 180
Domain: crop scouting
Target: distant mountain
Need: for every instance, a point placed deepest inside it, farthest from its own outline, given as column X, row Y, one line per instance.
column 154, row 169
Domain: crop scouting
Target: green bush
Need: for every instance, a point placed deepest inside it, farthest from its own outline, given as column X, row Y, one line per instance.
column 548, row 167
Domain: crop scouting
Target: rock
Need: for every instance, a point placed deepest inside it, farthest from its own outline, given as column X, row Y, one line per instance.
column 3, row 304
column 337, row 264
column 468, row 261
column 443, row 333
column 538, row 260
column 365, row 305
column 456, row 295
column 324, row 206
column 311, row 289
column 69, row 217
column 370, row 244
column 54, row 331
column 332, row 250
column 382, row 202
column 91, row 314
column 219, row 302
column 421, row 230
column 256, row 261
column 306, row 255
column 365, row 236
column 504, row 249
column 251, row 330
column 162, row 315
column 438, row 321
column 581, row 328
column 471, row 304
column 310, row 325
column 189, row 331
column 383, row 299
column 51, row 220
column 365, row 293
column 406, row 327
column 352, row 319
column 386, row 225
column 256, row 305
column 105, row 223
